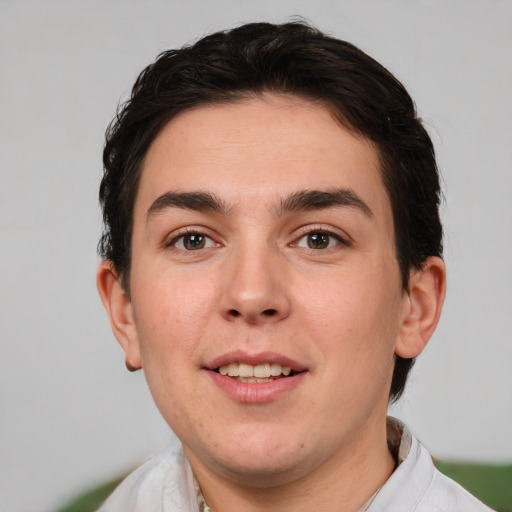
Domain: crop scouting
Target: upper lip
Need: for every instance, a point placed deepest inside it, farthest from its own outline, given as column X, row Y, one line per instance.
column 241, row 356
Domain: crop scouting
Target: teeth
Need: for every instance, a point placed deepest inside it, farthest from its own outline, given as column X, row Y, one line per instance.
column 250, row 373
column 275, row 370
column 262, row 371
column 245, row 370
column 253, row 380
column 233, row 370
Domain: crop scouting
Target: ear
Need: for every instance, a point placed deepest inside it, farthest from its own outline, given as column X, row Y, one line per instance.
column 118, row 305
column 421, row 308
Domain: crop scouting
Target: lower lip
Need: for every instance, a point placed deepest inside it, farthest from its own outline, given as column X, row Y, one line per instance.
column 252, row 392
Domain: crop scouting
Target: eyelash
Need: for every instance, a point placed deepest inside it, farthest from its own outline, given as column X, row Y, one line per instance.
column 209, row 242
column 339, row 240
column 189, row 233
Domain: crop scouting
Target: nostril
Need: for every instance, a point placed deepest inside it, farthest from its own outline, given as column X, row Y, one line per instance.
column 251, row 316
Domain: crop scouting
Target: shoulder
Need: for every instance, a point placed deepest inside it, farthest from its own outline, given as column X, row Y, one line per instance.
column 162, row 484
column 443, row 494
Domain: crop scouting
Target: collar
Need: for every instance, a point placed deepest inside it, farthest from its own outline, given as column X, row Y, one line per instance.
column 399, row 444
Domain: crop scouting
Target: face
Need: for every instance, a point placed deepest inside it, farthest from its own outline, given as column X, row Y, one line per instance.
column 266, row 301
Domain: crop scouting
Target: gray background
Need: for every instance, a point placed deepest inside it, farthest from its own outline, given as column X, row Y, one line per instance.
column 70, row 414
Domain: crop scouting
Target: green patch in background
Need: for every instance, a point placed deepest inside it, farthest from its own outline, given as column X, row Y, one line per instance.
column 91, row 500
column 490, row 483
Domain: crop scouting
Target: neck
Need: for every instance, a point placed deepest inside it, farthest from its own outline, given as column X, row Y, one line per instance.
column 343, row 482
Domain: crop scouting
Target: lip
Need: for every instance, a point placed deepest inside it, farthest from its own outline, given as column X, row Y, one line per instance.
column 256, row 393
column 241, row 356
column 252, row 392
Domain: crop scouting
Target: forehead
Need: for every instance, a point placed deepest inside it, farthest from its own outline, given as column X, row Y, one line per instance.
column 259, row 149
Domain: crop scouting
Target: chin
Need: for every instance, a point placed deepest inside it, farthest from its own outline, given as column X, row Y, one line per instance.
column 262, row 464
column 266, row 474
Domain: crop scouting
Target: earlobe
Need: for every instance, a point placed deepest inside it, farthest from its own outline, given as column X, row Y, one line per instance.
column 422, row 307
column 118, row 306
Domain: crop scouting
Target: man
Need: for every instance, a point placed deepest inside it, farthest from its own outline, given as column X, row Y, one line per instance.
column 272, row 259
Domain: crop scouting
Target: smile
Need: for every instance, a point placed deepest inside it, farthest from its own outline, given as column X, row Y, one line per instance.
column 256, row 378
column 266, row 372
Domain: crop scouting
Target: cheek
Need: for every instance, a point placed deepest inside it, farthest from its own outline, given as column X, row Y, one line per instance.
column 167, row 325
column 354, row 318
column 172, row 309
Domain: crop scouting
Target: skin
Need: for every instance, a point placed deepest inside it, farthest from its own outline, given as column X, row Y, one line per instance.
column 259, row 286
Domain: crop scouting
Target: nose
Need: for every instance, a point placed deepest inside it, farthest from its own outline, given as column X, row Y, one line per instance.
column 255, row 290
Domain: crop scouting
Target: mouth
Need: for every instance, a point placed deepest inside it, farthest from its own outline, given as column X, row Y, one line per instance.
column 256, row 378
column 254, row 374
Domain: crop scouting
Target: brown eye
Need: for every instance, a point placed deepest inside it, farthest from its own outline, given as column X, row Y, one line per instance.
column 193, row 242
column 319, row 240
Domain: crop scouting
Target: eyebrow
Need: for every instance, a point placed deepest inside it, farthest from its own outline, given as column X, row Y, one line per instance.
column 304, row 200
column 199, row 201
column 319, row 199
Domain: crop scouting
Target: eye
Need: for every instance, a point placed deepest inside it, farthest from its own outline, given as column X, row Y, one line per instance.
column 319, row 240
column 192, row 242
